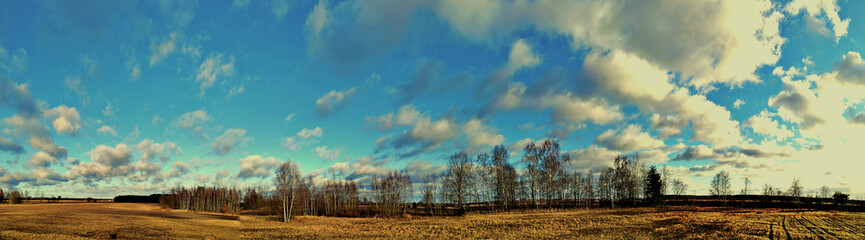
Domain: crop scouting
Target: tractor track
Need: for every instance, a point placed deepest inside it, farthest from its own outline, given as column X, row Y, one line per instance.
column 784, row 225
column 799, row 220
column 820, row 227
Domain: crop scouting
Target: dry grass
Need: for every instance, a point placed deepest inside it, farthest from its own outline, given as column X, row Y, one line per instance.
column 100, row 220
column 147, row 221
column 639, row 223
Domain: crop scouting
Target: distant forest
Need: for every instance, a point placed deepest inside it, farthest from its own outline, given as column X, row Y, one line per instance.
column 487, row 182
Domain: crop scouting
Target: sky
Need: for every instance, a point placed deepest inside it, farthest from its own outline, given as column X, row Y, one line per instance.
column 100, row 98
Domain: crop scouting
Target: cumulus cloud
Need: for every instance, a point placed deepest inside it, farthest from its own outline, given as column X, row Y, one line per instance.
column 521, row 56
column 18, row 97
column 163, row 151
column 327, row 154
column 195, row 122
column 303, row 137
column 107, row 130
column 667, row 125
column 819, row 13
column 851, row 68
column 257, row 166
column 630, row 138
column 7, row 145
column 764, row 124
column 333, row 100
column 212, row 68
column 719, row 41
column 225, row 143
column 479, row 134
column 64, row 119
column 46, row 144
column 42, row 159
column 568, row 109
column 105, row 162
column 592, row 158
column 795, row 104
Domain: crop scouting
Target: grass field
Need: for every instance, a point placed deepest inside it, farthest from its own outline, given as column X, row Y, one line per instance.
column 147, row 221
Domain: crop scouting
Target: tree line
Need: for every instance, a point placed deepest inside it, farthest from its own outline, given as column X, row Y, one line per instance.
column 483, row 182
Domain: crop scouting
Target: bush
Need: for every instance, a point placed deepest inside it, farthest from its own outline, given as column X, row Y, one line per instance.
column 15, row 197
column 840, row 198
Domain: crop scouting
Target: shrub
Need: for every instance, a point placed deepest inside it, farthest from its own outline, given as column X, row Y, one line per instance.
column 840, row 198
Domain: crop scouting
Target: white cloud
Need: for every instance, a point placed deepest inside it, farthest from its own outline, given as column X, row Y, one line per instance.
column 64, row 119
column 711, row 41
column 667, row 125
column 333, row 100
column 162, row 151
column 572, row 110
column 521, row 56
column 225, row 143
column 480, row 134
column 310, row 133
column 303, row 137
column 211, row 68
column 257, row 166
column 280, row 9
column 318, row 18
column 47, row 145
column 105, row 129
column 627, row 76
column 826, row 10
column 738, row 103
column 161, row 49
column 851, row 68
column 591, row 158
column 42, row 159
column 105, row 162
column 765, row 125
column 194, row 121
column 629, row 139
column 327, row 154
column 289, row 117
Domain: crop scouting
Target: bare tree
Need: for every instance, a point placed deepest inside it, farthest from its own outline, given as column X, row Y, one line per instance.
column 747, row 185
column 679, row 187
column 795, row 189
column 505, row 177
column 625, row 179
column 428, row 190
column 1, row 195
column 721, row 186
column 606, row 185
column 14, row 196
column 287, row 185
column 589, row 188
column 551, row 169
column 769, row 190
column 824, row 192
column 533, row 173
column 457, row 180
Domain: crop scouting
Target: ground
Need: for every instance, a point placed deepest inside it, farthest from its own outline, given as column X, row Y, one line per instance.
column 147, row 221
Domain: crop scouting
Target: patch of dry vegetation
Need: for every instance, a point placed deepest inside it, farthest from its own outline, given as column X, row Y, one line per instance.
column 148, row 221
column 101, row 220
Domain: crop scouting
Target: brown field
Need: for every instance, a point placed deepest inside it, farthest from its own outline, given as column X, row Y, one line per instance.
column 147, row 221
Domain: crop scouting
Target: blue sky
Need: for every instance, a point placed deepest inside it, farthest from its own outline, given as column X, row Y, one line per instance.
column 135, row 97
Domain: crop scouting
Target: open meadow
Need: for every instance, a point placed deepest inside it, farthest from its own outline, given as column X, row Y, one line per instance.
column 148, row 221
